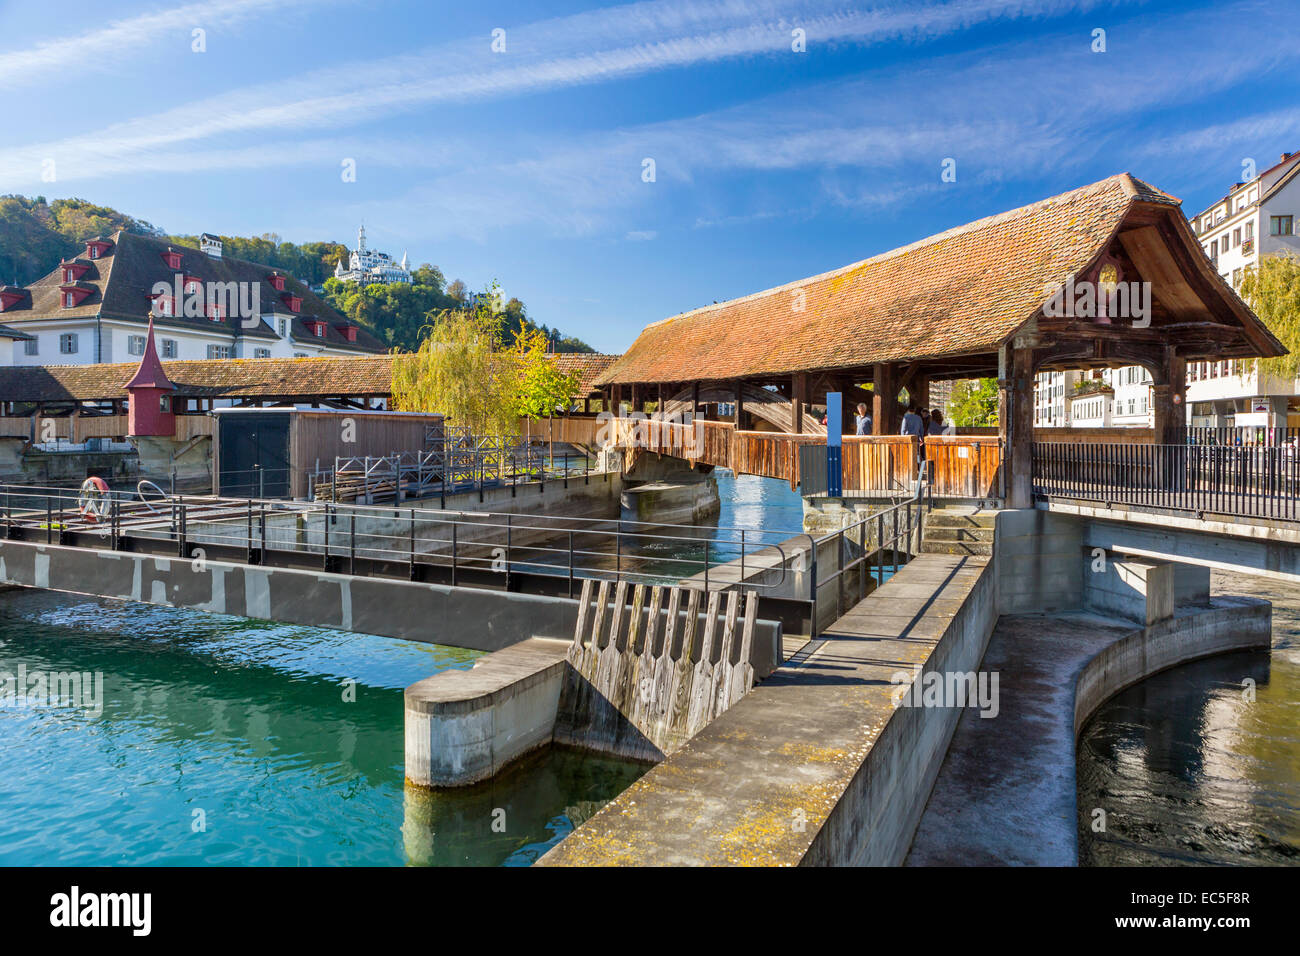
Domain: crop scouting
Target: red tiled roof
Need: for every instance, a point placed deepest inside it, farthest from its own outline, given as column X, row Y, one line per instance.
column 962, row 291
column 588, row 365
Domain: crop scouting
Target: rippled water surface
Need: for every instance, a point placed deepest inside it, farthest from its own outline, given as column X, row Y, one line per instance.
column 227, row 741
column 1188, row 769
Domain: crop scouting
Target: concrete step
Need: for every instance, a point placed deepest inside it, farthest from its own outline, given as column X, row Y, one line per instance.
column 943, row 533
column 956, row 547
column 945, row 518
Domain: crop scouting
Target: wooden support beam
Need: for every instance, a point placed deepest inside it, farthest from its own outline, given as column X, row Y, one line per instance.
column 1016, row 426
column 695, row 400
column 739, row 415
column 884, row 400
column 798, row 399
column 1169, row 397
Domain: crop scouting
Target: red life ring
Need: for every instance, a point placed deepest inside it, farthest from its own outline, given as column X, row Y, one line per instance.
column 92, row 503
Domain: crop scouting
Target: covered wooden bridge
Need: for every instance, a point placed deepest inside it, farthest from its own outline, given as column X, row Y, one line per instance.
column 1003, row 297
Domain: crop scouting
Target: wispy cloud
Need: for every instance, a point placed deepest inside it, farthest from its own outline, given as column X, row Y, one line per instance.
column 31, row 65
column 591, row 47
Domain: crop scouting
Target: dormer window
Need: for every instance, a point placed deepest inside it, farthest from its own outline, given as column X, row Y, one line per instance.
column 349, row 332
column 163, row 305
column 11, row 295
column 315, row 327
column 72, row 270
column 72, row 296
column 294, row 302
column 191, row 284
column 97, row 248
column 277, row 281
column 172, row 258
column 214, row 312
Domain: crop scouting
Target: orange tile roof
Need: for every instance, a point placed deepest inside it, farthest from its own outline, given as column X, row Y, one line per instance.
column 959, row 292
column 588, row 365
column 305, row 378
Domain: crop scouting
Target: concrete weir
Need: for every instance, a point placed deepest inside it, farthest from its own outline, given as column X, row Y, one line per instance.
column 815, row 765
column 843, row 756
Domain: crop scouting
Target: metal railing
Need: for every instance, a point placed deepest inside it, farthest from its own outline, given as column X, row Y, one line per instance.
column 1244, row 480
column 877, row 546
column 454, row 463
column 456, row 547
column 534, row 553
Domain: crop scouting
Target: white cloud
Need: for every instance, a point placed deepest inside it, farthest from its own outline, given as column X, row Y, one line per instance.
column 585, row 48
column 37, row 62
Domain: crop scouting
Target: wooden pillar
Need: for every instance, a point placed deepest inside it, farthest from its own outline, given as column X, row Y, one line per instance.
column 739, row 415
column 884, row 401
column 1016, row 425
column 920, row 391
column 798, row 399
column 1169, row 396
column 695, row 400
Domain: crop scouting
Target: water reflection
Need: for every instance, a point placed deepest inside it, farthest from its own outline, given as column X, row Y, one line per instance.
column 1189, row 769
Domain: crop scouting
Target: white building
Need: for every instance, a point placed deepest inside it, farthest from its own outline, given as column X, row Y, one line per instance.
column 95, row 308
column 367, row 267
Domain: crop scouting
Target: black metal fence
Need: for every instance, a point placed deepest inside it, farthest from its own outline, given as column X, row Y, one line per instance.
column 1208, row 472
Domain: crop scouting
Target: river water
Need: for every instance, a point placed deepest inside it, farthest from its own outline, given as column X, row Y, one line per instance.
column 1189, row 769
column 221, row 740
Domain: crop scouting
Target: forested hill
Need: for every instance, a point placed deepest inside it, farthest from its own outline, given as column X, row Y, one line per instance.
column 35, row 235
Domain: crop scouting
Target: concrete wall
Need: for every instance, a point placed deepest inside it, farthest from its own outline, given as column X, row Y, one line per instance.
column 1038, row 561
column 436, row 614
column 463, row 726
column 680, row 502
column 1239, row 624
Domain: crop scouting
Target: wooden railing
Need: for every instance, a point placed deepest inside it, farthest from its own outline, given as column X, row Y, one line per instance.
column 77, row 428
column 962, row 466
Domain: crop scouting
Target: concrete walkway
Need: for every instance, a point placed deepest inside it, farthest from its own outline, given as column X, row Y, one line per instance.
column 815, row 765
column 1006, row 793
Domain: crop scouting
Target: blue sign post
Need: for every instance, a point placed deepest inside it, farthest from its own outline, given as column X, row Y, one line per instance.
column 834, row 426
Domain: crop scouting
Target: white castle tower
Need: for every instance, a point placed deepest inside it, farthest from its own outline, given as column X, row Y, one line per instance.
column 366, row 267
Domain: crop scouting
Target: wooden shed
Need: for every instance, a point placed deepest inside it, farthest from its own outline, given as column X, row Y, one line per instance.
column 267, row 452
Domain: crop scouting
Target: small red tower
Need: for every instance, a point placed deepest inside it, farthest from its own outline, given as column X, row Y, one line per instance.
column 150, row 391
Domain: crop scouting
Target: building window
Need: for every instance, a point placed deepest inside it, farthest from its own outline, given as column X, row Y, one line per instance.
column 1236, row 237
column 168, row 348
column 68, row 343
column 135, row 345
column 1250, row 230
column 1236, row 278
column 1279, row 225
column 30, row 346
column 261, row 353
column 284, row 328
column 299, row 354
column 69, row 300
column 94, row 252
column 220, row 351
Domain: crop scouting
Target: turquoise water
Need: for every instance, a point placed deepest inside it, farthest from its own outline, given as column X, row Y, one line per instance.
column 227, row 741
column 1189, row 768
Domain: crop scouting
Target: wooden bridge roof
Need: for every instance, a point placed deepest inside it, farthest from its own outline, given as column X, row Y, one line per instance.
column 299, row 379
column 960, row 293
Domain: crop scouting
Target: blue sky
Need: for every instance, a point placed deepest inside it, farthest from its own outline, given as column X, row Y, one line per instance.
column 526, row 164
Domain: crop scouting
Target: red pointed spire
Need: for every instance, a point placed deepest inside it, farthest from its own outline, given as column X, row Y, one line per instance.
column 150, row 374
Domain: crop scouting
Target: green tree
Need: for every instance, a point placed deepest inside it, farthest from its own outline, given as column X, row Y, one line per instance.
column 462, row 371
column 1273, row 291
column 543, row 388
column 974, row 403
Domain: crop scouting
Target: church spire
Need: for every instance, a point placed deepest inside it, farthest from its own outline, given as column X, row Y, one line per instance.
column 361, row 238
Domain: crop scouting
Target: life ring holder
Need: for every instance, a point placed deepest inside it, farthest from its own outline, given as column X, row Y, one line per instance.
column 144, row 485
column 93, row 499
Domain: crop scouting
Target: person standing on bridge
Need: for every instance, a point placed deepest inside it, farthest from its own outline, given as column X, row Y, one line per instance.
column 937, row 424
column 913, row 426
column 862, row 423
